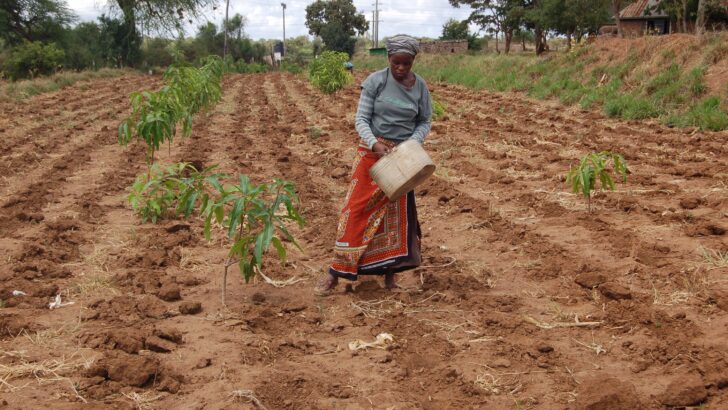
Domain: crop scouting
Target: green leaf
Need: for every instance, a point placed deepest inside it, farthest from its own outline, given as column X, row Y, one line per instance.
column 219, row 213
column 190, row 204
column 234, row 217
column 208, row 227
column 586, row 182
column 237, row 248
column 258, row 253
column 279, row 248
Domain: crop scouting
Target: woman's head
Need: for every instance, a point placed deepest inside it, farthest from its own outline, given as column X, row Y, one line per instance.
column 401, row 51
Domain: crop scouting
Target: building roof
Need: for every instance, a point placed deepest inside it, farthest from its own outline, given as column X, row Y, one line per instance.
column 642, row 9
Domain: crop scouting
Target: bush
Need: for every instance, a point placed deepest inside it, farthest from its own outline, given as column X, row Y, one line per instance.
column 245, row 68
column 33, row 58
column 706, row 115
column 327, row 73
column 630, row 107
column 291, row 67
column 156, row 52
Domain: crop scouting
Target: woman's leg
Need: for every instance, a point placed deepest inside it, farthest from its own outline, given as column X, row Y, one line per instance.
column 390, row 280
column 327, row 285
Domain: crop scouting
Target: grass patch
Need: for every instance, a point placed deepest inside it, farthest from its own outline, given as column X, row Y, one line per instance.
column 20, row 90
column 629, row 107
column 707, row 114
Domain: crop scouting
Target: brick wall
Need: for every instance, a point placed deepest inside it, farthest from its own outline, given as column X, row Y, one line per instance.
column 444, row 46
column 633, row 28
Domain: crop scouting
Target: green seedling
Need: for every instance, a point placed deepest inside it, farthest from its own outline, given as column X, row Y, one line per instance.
column 255, row 218
column 175, row 187
column 438, row 110
column 592, row 170
column 156, row 114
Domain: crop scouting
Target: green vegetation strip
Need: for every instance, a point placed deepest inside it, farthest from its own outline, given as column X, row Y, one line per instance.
column 20, row 90
column 674, row 93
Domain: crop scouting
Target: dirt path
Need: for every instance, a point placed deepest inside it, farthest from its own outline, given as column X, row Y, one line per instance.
column 525, row 299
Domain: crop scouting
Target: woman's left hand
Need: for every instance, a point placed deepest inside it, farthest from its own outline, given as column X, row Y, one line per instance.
column 380, row 148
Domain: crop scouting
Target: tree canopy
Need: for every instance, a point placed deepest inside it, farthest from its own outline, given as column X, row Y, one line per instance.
column 33, row 20
column 336, row 21
column 162, row 15
column 459, row 30
column 565, row 17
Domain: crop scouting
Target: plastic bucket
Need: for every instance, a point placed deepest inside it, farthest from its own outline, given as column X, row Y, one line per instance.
column 400, row 171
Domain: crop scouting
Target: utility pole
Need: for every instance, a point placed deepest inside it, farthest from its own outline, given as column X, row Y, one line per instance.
column 225, row 28
column 376, row 24
column 374, row 17
column 284, row 29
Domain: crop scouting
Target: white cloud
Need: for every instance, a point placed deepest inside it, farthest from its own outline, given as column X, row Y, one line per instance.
column 420, row 18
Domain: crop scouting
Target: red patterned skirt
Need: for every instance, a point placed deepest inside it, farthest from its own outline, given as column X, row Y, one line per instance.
column 375, row 236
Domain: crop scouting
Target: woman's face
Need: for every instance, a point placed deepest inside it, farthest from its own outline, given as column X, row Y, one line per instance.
column 401, row 64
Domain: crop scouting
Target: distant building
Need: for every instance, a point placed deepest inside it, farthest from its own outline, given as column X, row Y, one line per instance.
column 444, row 46
column 642, row 17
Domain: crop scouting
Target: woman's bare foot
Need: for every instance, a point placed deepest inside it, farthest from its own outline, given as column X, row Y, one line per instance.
column 327, row 286
column 389, row 281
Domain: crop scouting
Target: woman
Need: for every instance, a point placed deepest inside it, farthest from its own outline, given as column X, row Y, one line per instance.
column 376, row 236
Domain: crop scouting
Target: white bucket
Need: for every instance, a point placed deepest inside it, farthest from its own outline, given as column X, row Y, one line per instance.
column 398, row 172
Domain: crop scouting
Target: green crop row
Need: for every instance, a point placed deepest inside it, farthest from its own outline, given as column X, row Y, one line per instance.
column 156, row 115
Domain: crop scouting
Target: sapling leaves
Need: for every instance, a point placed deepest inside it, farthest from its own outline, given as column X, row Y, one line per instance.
column 327, row 72
column 156, row 114
column 592, row 168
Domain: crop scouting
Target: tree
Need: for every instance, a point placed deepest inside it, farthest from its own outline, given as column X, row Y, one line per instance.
column 337, row 39
column 495, row 16
column 680, row 11
column 33, row 20
column 455, row 30
column 82, row 46
column 236, row 26
column 208, row 40
column 33, row 58
column 121, row 44
column 156, row 15
column 617, row 6
column 336, row 21
column 459, row 30
column 165, row 15
column 573, row 18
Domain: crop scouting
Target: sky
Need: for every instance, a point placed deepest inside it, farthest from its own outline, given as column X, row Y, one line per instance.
column 420, row 18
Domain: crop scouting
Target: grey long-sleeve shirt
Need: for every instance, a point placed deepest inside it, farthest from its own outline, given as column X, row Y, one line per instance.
column 389, row 109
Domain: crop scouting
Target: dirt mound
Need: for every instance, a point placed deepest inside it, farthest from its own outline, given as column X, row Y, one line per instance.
column 607, row 393
column 655, row 52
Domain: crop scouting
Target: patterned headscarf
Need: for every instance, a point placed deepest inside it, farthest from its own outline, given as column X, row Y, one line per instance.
column 402, row 43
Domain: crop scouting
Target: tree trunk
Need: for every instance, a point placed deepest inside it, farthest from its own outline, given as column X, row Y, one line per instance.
column 225, row 28
column 616, row 8
column 700, row 22
column 684, row 16
column 568, row 41
column 538, row 34
column 523, row 41
column 127, row 9
column 509, row 38
column 497, row 50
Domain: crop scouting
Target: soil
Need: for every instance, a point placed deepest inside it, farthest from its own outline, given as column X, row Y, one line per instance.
column 525, row 299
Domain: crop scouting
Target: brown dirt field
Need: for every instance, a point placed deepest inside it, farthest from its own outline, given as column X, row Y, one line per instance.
column 513, row 261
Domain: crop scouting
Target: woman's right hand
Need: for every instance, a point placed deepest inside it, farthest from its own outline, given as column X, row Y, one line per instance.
column 380, row 148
